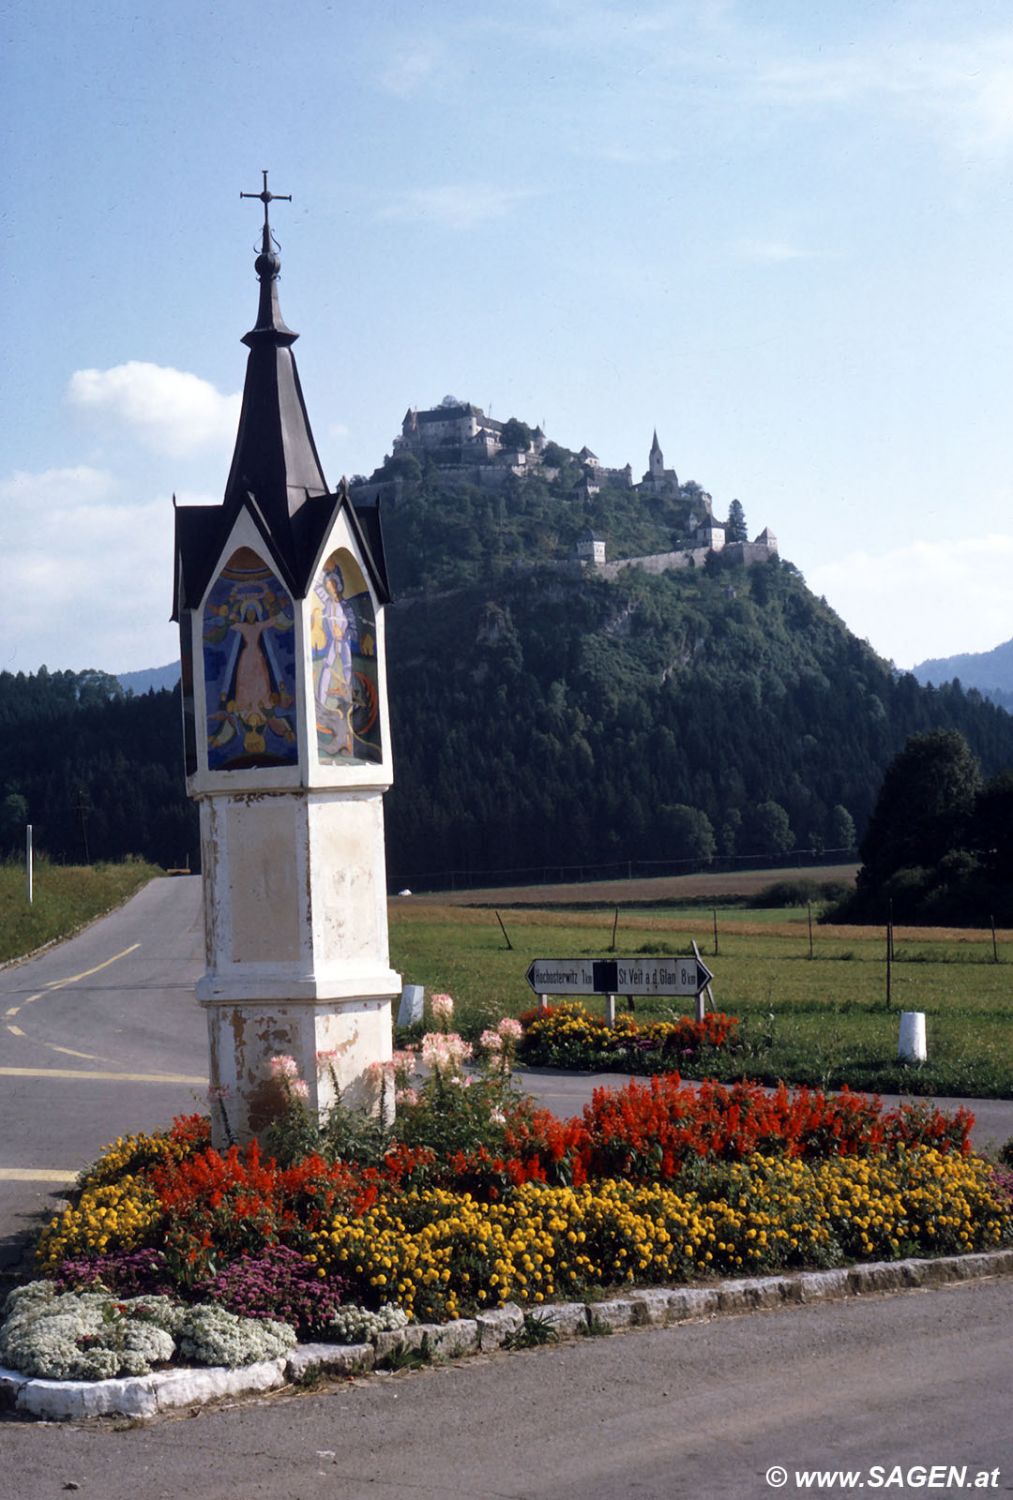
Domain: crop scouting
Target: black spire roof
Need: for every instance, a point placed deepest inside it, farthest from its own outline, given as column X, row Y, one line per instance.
column 276, row 473
column 275, row 457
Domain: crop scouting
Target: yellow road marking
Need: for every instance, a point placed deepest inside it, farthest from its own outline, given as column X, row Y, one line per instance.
column 36, row 1174
column 69, row 1052
column 13, row 1010
column 58, row 984
column 15, row 1030
column 103, row 1077
column 34, row 997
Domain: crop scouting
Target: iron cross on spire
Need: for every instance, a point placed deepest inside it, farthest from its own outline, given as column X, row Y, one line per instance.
column 266, row 197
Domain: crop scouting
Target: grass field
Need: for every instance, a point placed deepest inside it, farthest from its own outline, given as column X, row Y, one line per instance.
column 65, row 898
column 821, row 1021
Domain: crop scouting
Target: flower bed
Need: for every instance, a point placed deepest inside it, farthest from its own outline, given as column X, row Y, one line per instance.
column 569, row 1036
column 476, row 1197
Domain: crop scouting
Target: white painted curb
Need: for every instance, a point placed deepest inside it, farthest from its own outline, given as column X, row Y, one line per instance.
column 646, row 1307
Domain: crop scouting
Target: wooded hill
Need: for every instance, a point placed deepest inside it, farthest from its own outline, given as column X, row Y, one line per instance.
column 541, row 717
column 546, row 717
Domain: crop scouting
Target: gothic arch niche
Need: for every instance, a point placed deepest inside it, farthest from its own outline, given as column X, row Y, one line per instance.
column 343, row 642
column 249, row 667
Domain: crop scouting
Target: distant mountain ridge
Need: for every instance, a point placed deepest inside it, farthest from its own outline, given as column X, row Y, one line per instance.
column 991, row 672
column 149, row 679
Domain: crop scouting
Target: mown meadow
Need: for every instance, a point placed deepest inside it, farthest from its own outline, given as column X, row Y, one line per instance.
column 822, row 1020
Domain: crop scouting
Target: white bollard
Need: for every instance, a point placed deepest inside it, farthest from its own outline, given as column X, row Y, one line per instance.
column 911, row 1043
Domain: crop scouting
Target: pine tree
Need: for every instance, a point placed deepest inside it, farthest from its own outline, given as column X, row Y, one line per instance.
column 735, row 527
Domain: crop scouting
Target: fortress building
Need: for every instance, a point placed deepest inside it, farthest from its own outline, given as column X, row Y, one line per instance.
column 455, row 431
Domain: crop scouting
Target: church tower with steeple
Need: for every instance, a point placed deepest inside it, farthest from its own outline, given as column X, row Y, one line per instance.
column 279, row 594
column 658, row 479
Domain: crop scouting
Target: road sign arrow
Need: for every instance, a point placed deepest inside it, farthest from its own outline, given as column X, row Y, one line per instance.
column 703, row 975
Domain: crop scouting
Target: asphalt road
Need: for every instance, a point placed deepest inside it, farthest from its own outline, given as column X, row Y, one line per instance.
column 701, row 1411
column 101, row 1036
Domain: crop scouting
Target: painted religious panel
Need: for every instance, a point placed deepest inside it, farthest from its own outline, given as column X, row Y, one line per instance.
column 186, row 691
column 343, row 642
column 249, row 667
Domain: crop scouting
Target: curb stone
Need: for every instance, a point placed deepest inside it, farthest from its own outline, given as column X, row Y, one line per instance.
column 167, row 1390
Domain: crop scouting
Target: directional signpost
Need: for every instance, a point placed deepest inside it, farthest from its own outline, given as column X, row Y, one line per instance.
column 618, row 976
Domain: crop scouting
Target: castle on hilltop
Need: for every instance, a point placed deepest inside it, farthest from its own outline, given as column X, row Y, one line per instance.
column 465, row 444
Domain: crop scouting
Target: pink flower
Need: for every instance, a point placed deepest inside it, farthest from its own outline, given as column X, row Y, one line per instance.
column 299, row 1088
column 406, row 1096
column 442, row 1007
column 403, row 1061
column 491, row 1041
column 444, row 1050
column 283, row 1066
column 510, row 1030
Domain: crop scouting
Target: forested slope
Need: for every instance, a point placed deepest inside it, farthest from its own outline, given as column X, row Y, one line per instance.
column 544, row 718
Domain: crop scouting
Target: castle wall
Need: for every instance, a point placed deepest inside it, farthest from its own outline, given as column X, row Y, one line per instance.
column 659, row 562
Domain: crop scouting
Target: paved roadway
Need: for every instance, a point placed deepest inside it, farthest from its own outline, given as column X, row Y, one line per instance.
column 101, row 1036
column 698, row 1412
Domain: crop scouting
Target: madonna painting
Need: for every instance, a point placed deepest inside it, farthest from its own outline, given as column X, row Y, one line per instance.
column 249, row 667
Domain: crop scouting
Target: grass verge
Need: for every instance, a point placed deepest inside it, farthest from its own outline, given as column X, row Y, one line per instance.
column 66, row 897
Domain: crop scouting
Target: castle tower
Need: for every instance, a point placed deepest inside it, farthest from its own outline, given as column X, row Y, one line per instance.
column 279, row 594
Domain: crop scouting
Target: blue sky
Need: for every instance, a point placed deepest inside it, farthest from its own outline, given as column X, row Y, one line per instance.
column 779, row 232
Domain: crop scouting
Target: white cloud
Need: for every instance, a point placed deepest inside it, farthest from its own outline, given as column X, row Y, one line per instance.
column 926, row 599
column 87, row 573
column 171, row 411
column 774, row 250
column 37, row 493
column 410, row 68
column 962, row 90
column 458, row 205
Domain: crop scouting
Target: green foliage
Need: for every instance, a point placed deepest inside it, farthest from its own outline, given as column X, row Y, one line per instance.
column 767, row 828
column 516, row 434
column 842, row 829
column 535, row 1331
column 735, row 529
column 688, row 833
column 924, row 806
column 98, row 773
column 938, row 846
column 799, row 892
